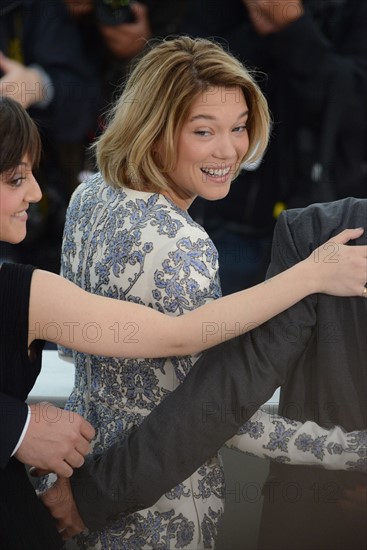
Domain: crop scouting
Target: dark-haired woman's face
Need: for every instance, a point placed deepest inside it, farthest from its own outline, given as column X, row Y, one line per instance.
column 18, row 188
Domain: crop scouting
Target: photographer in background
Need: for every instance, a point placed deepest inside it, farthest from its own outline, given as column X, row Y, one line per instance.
column 44, row 67
column 115, row 31
column 124, row 26
column 311, row 60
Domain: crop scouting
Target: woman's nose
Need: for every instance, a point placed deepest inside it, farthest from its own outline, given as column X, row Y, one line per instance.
column 225, row 149
column 34, row 191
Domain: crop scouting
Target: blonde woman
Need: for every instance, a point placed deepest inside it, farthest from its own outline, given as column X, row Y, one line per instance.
column 189, row 118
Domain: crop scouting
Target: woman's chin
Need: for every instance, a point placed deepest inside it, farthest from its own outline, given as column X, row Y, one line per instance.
column 218, row 195
column 13, row 239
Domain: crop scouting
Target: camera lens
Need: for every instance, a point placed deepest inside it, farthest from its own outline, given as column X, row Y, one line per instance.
column 114, row 12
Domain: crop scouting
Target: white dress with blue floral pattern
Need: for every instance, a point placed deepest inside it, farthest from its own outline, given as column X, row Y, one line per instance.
column 140, row 247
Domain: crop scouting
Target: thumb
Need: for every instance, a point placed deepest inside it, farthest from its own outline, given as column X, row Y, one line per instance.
column 347, row 235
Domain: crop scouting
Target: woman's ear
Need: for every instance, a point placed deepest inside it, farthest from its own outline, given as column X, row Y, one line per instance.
column 157, row 146
column 157, row 151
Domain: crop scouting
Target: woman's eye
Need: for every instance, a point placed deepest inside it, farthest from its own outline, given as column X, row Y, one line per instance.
column 17, row 181
column 203, row 133
column 241, row 128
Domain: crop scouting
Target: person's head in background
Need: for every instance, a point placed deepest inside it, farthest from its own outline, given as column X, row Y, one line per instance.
column 189, row 116
column 20, row 149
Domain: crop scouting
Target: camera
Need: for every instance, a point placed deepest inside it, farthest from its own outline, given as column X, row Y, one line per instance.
column 114, row 12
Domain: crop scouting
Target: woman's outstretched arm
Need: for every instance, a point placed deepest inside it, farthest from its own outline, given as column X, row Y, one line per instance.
column 63, row 313
column 265, row 436
column 301, row 443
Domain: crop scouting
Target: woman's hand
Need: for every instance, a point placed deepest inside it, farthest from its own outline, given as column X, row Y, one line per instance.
column 340, row 270
column 24, row 84
column 270, row 16
column 128, row 39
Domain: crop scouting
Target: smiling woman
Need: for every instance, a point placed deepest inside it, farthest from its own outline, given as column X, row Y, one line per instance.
column 19, row 152
column 18, row 190
column 173, row 84
column 210, row 148
column 189, row 117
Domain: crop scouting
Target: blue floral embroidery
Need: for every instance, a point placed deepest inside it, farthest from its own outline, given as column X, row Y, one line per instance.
column 176, row 277
column 305, row 442
column 279, row 439
column 212, row 482
column 209, row 527
column 178, row 492
column 141, row 385
column 184, row 534
column 335, row 448
column 255, row 429
column 357, row 443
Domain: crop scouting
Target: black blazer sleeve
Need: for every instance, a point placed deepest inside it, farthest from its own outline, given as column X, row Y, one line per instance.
column 13, row 415
column 17, row 374
column 224, row 388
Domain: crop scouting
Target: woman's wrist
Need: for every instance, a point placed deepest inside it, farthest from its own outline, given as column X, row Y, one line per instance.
column 307, row 274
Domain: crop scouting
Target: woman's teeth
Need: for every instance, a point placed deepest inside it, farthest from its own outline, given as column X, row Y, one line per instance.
column 216, row 171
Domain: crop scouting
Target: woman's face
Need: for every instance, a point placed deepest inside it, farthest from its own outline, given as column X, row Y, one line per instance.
column 18, row 188
column 211, row 145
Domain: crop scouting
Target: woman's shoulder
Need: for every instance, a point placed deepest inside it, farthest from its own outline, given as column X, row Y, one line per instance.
column 139, row 208
column 14, row 275
column 93, row 186
column 15, row 285
column 168, row 226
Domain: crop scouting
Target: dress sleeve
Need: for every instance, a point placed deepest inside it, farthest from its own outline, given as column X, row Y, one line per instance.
column 186, row 276
column 307, row 444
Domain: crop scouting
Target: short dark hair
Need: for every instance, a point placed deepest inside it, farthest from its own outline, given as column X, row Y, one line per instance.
column 19, row 135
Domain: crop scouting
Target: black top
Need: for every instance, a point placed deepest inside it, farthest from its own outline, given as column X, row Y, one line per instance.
column 24, row 522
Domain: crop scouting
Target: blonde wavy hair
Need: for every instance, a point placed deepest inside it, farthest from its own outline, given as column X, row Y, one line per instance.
column 155, row 104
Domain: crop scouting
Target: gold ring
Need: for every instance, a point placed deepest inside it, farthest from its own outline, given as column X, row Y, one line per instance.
column 364, row 293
